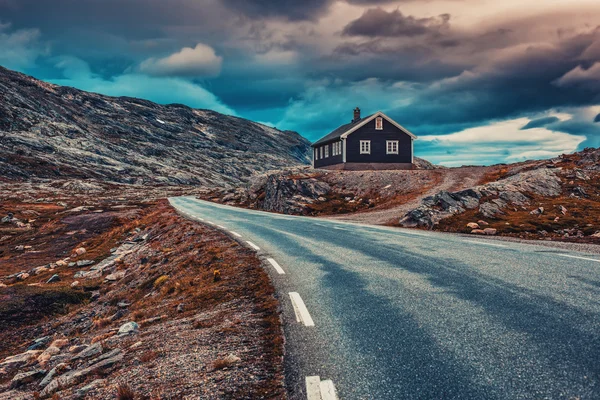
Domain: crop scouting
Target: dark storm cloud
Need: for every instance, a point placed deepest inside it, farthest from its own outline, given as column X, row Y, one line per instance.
column 290, row 9
column 540, row 122
column 378, row 22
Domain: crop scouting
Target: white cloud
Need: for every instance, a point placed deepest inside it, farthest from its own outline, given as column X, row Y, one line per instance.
column 21, row 48
column 499, row 142
column 200, row 61
column 161, row 90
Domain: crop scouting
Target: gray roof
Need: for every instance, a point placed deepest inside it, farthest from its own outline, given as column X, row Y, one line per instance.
column 335, row 134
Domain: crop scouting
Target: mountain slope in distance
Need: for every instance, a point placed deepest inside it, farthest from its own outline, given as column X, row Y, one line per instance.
column 50, row 131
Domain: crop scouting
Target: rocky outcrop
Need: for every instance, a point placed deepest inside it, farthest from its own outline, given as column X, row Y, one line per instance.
column 290, row 195
column 49, row 131
column 491, row 199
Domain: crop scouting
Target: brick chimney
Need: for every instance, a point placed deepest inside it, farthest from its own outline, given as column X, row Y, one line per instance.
column 356, row 114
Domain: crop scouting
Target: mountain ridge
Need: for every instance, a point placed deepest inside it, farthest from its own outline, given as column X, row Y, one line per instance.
column 49, row 131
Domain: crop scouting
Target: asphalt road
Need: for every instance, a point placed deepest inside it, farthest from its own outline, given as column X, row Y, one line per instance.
column 403, row 314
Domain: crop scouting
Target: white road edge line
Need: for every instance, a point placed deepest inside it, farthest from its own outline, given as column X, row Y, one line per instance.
column 316, row 389
column 579, row 258
column 302, row 314
column 276, row 265
column 210, row 222
column 221, row 226
column 485, row 244
column 313, row 389
column 235, row 234
column 255, row 247
column 328, row 390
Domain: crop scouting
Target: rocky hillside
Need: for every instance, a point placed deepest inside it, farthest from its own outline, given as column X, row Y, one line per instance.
column 106, row 299
column 552, row 199
column 545, row 199
column 305, row 191
column 49, row 131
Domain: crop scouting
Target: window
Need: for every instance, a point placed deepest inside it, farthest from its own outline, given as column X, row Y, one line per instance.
column 336, row 148
column 392, row 146
column 365, row 147
column 379, row 123
column 321, row 152
column 316, row 154
column 326, row 151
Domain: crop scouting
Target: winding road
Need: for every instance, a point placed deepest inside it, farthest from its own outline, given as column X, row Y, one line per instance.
column 374, row 312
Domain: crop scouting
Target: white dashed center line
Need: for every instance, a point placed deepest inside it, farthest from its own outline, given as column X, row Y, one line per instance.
column 302, row 314
column 235, row 234
column 316, row 389
column 579, row 258
column 255, row 247
column 485, row 244
column 276, row 266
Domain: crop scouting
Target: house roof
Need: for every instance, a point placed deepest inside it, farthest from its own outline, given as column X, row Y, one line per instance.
column 343, row 131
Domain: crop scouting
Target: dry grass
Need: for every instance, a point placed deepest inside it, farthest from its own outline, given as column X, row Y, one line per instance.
column 124, row 392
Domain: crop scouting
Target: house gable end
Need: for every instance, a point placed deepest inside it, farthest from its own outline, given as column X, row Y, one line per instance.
column 371, row 118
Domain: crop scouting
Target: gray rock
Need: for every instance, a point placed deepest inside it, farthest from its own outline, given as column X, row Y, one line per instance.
column 517, row 198
column 115, row 276
column 490, row 210
column 129, row 328
column 537, row 211
column 26, row 377
column 83, row 391
column 89, row 351
column 40, row 343
column 84, row 263
column 48, row 378
column 19, row 360
column 53, row 278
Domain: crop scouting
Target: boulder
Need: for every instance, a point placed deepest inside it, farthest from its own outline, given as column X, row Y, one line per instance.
column 53, row 372
column 77, row 348
column 115, row 276
column 490, row 209
column 537, row 211
column 129, row 328
column 53, row 278
column 39, row 343
column 80, row 251
column 482, row 223
column 26, row 377
column 473, row 225
column 20, row 360
column 47, row 354
column 562, row 210
column 490, row 231
column 60, row 343
column 478, row 232
column 89, row 351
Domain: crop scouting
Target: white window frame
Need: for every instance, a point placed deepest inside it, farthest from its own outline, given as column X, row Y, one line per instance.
column 321, row 152
column 379, row 123
column 326, row 151
column 365, row 147
column 316, row 153
column 393, row 143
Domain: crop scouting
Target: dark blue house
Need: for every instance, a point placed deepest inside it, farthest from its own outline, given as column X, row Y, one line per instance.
column 369, row 143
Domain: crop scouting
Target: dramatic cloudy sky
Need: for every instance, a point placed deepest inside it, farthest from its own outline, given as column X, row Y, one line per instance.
column 480, row 81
